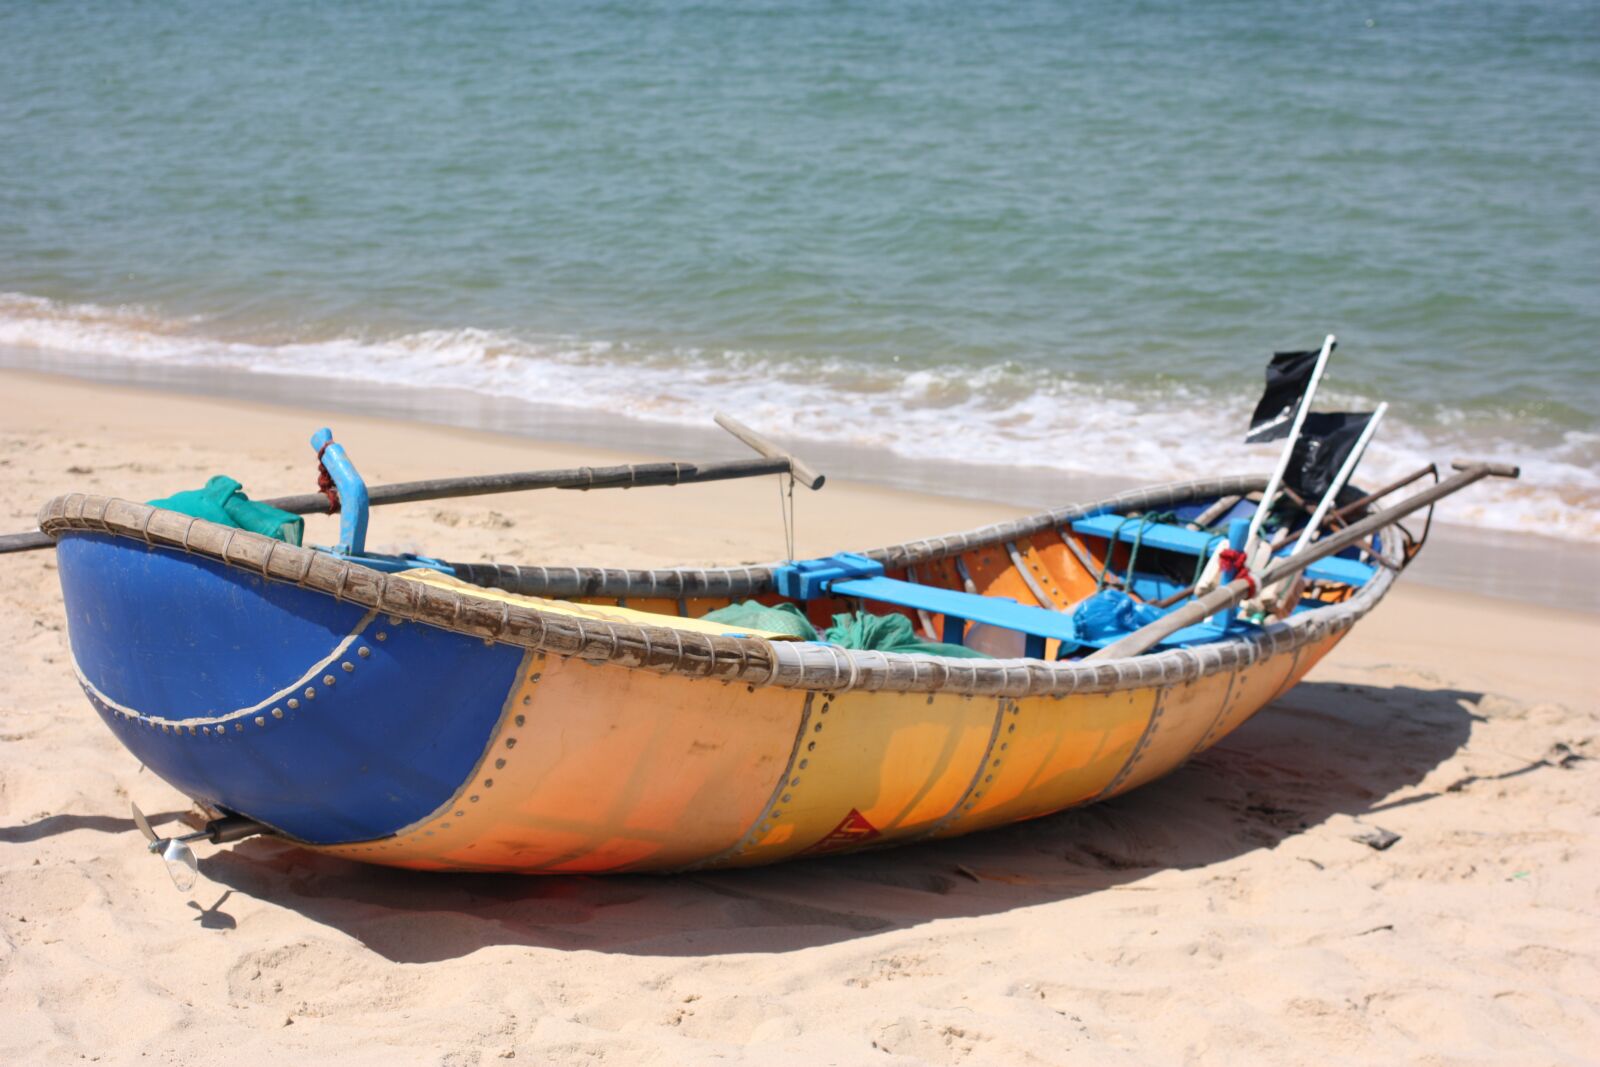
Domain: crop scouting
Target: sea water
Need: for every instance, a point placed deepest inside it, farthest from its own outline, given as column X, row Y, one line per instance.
column 1054, row 235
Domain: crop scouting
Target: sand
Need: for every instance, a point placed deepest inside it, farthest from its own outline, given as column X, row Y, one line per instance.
column 1222, row 914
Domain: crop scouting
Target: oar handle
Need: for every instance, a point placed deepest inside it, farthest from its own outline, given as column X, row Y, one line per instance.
column 803, row 472
column 1236, row 591
column 1498, row 470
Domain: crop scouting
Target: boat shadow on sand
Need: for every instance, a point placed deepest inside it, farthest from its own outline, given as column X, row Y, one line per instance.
column 1324, row 749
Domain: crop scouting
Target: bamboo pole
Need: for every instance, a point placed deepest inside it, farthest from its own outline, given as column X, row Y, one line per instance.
column 1377, row 494
column 1346, row 469
column 1270, row 496
column 1087, row 562
column 803, row 472
column 1221, row 507
column 625, row 476
column 1235, row 592
column 622, row 476
column 1335, row 517
column 25, row 542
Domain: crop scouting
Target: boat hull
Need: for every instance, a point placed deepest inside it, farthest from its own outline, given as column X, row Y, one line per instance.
column 322, row 719
column 385, row 720
column 599, row 768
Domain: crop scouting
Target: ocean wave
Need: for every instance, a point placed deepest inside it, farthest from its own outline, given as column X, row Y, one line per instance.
column 1003, row 415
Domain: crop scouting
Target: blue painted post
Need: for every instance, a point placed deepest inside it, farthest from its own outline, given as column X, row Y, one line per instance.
column 1238, row 534
column 352, row 492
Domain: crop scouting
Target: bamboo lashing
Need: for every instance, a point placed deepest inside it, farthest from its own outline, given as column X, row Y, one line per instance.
column 1235, row 592
column 750, row 660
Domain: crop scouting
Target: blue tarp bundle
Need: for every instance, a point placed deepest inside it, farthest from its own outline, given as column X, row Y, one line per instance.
column 1111, row 613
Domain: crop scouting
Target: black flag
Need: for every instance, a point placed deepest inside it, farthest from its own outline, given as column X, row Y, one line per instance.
column 1325, row 442
column 1287, row 377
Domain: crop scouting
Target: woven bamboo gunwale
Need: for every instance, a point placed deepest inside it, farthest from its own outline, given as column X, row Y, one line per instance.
column 746, row 660
column 756, row 579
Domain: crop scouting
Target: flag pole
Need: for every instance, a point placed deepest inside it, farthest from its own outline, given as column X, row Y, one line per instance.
column 1269, row 497
column 1346, row 470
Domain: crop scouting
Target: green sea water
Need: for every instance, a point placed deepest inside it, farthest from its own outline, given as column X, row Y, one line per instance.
column 1066, row 234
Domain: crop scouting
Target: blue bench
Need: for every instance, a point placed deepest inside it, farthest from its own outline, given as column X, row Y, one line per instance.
column 1168, row 538
column 851, row 575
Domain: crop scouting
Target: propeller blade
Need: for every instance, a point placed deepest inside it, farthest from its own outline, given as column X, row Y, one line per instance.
column 181, row 864
column 143, row 824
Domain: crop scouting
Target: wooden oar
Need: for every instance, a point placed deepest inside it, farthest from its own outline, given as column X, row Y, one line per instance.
column 1236, row 591
column 1333, row 518
column 624, row 476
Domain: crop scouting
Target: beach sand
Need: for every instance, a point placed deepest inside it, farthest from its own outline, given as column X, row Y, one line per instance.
column 1224, row 913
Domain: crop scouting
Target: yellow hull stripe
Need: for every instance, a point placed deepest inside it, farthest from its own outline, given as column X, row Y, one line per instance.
column 601, row 768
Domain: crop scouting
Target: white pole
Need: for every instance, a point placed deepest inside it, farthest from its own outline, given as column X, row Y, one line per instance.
column 1269, row 497
column 1346, row 469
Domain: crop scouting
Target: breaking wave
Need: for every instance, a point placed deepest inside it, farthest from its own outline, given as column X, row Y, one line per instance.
column 1003, row 415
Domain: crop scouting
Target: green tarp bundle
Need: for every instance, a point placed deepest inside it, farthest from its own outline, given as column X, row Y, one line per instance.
column 858, row 630
column 222, row 501
column 779, row 619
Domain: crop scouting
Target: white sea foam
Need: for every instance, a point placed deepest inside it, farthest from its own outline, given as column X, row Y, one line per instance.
column 998, row 415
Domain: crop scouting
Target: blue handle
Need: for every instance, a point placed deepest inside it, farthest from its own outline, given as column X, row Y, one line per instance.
column 352, row 492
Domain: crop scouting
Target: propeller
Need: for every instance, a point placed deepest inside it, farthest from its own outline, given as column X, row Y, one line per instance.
column 175, row 851
column 179, row 857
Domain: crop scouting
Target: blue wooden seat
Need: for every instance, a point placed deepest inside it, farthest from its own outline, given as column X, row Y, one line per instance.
column 851, row 575
column 1114, row 527
column 1159, row 535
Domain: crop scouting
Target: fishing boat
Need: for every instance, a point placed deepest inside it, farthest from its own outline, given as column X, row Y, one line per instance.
column 500, row 717
column 421, row 713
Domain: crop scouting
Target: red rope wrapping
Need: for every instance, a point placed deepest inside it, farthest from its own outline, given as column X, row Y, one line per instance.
column 325, row 484
column 1232, row 559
